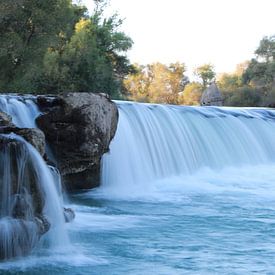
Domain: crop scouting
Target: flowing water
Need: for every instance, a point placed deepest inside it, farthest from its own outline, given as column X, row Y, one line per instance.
column 184, row 191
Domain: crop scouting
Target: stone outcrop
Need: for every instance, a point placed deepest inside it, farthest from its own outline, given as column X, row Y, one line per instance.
column 211, row 96
column 78, row 128
column 69, row 214
column 32, row 135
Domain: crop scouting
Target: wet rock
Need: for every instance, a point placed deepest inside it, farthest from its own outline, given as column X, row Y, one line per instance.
column 79, row 129
column 32, row 135
column 43, row 224
column 35, row 137
column 69, row 214
column 21, row 208
column 19, row 180
column 5, row 119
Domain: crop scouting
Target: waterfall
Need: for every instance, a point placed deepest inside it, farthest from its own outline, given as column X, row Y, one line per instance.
column 23, row 110
column 30, row 190
column 160, row 141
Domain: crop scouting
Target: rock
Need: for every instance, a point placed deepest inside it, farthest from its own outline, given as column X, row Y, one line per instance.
column 79, row 130
column 19, row 180
column 35, row 137
column 43, row 224
column 69, row 214
column 211, row 96
column 45, row 103
column 32, row 135
column 5, row 119
column 21, row 206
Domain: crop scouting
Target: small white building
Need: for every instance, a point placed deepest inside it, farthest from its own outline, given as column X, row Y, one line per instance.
column 211, row 96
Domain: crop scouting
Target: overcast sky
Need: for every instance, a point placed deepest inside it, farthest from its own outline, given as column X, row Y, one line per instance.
column 221, row 32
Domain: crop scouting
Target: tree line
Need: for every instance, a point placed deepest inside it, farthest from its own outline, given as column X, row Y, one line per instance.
column 53, row 46
column 252, row 83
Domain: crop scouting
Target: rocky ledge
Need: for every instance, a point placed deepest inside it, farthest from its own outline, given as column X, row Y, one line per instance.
column 32, row 135
column 78, row 127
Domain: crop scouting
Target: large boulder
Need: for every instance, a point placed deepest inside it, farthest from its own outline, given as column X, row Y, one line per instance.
column 79, row 128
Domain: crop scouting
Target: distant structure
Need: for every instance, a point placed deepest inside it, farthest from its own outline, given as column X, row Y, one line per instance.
column 211, row 96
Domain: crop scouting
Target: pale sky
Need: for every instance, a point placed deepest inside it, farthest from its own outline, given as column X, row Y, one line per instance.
column 221, row 32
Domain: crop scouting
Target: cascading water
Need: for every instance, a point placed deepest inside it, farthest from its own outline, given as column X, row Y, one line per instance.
column 156, row 142
column 29, row 200
column 30, row 193
column 184, row 191
column 23, row 110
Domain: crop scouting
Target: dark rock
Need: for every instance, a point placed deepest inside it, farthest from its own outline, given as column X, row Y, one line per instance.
column 79, row 130
column 5, row 119
column 43, row 224
column 45, row 103
column 21, row 208
column 35, row 137
column 69, row 214
column 32, row 135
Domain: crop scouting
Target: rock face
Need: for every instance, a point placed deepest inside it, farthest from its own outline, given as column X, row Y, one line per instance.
column 79, row 128
column 211, row 96
column 32, row 135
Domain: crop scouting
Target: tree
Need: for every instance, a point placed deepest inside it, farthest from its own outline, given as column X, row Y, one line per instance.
column 244, row 97
column 191, row 94
column 260, row 72
column 26, row 31
column 266, row 49
column 205, row 73
column 53, row 46
column 157, row 83
column 90, row 61
column 137, row 84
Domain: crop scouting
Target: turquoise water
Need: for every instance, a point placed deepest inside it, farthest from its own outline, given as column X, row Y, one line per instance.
column 225, row 227
column 184, row 191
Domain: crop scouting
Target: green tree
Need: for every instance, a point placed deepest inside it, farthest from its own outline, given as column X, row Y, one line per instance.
column 260, row 73
column 266, row 49
column 27, row 29
column 90, row 61
column 244, row 97
column 206, row 73
column 53, row 46
column 191, row 94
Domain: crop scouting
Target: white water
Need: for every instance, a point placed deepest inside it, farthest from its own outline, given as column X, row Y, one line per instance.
column 157, row 143
column 32, row 168
column 185, row 191
column 23, row 110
